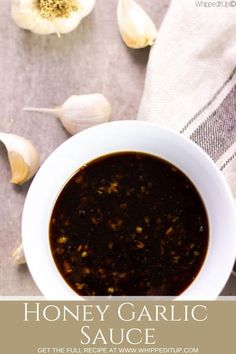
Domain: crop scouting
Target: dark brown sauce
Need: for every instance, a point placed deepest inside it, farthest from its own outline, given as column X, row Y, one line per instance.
column 129, row 224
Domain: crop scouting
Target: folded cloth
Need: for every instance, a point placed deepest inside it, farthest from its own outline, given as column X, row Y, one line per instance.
column 191, row 78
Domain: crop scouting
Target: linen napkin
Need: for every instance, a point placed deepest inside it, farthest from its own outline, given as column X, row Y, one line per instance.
column 191, row 77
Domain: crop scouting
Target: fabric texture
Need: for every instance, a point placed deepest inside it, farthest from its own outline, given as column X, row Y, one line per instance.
column 191, row 78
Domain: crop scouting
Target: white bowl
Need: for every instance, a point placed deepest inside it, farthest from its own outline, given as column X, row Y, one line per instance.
column 130, row 136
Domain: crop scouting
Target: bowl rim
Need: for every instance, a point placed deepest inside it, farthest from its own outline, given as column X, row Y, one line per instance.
column 36, row 215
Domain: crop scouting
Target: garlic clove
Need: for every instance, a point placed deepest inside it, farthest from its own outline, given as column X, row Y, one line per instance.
column 22, row 156
column 86, row 6
column 18, row 256
column 44, row 17
column 79, row 112
column 136, row 27
column 27, row 16
column 66, row 25
column 84, row 111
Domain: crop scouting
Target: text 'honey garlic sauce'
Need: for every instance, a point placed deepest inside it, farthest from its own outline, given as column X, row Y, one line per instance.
column 129, row 224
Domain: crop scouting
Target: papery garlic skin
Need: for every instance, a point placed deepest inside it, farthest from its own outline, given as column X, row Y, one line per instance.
column 19, row 256
column 23, row 157
column 79, row 112
column 136, row 27
column 28, row 15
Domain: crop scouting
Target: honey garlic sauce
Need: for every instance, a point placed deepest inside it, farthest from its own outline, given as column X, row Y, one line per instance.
column 129, row 223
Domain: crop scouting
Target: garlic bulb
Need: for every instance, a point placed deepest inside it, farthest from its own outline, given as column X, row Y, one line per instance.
column 22, row 156
column 50, row 16
column 136, row 27
column 80, row 112
column 18, row 255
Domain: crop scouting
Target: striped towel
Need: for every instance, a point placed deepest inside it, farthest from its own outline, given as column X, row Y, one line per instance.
column 191, row 78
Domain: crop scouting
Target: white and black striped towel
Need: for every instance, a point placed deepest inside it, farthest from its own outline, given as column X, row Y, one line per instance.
column 191, row 78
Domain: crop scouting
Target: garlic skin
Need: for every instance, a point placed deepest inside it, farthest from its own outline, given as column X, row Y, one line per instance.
column 50, row 16
column 23, row 157
column 18, row 256
column 79, row 112
column 136, row 27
